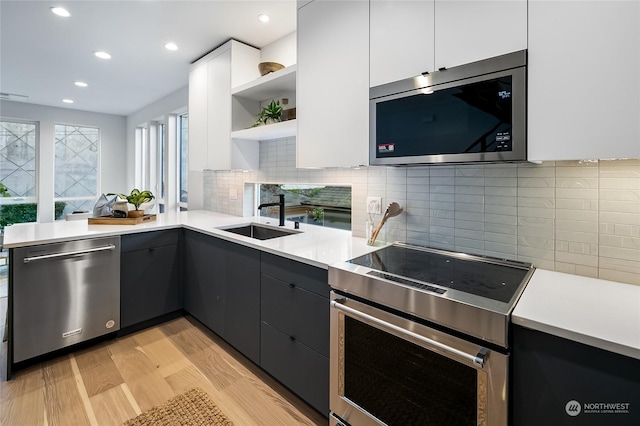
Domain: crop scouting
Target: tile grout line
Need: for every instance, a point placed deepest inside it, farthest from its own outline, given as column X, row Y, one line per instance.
column 83, row 391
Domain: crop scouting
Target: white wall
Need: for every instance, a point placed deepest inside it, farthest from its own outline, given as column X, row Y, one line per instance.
column 113, row 153
column 282, row 50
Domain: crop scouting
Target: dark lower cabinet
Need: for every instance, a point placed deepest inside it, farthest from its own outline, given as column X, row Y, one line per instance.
column 298, row 367
column 149, row 276
column 222, row 289
column 556, row 381
column 294, row 342
column 203, row 292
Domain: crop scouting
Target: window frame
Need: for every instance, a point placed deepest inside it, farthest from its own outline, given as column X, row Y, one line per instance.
column 36, row 198
column 98, row 166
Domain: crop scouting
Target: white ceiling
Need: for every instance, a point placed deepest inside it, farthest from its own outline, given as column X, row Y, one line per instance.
column 41, row 54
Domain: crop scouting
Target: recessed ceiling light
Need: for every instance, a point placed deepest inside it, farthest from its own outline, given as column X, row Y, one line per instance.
column 67, row 101
column 80, row 84
column 60, row 11
column 263, row 18
column 171, row 46
column 102, row 55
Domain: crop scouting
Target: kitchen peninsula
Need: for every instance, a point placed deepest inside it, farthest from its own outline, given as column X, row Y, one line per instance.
column 185, row 263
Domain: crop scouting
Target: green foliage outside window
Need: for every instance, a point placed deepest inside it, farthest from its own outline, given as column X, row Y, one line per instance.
column 21, row 213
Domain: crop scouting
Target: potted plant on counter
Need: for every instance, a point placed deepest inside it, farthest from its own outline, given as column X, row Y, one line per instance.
column 137, row 198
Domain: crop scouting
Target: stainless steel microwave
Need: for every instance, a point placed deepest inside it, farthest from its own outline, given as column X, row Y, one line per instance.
column 471, row 113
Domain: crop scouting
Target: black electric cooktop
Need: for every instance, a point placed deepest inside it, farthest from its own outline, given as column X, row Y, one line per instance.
column 495, row 279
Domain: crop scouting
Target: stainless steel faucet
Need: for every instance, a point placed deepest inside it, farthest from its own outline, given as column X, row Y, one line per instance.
column 280, row 204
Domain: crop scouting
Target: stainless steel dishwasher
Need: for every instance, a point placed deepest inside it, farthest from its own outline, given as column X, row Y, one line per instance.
column 63, row 294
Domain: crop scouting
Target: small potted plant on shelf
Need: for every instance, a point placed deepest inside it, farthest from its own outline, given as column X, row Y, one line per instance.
column 137, row 198
column 271, row 113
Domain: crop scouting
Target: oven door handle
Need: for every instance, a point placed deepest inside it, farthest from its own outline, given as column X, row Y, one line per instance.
column 478, row 359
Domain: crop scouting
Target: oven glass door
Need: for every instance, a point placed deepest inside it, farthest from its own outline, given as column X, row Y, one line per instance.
column 382, row 375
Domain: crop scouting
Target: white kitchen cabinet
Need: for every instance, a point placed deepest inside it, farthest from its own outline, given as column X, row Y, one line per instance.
column 584, row 80
column 198, row 124
column 468, row 31
column 410, row 37
column 210, row 105
column 219, row 112
column 401, row 39
column 333, row 84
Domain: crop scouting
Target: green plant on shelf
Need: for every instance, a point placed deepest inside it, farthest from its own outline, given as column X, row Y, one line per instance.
column 271, row 113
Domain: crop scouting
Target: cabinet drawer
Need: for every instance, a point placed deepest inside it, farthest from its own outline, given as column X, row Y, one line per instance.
column 146, row 240
column 298, row 367
column 302, row 275
column 296, row 312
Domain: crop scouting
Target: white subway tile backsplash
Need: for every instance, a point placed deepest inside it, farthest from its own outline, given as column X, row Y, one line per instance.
column 500, row 220
column 572, row 216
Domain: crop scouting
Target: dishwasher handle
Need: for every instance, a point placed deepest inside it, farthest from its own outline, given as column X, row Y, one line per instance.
column 69, row 253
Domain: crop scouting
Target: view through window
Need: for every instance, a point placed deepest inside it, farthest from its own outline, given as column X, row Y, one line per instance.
column 322, row 205
column 76, row 168
column 183, row 143
column 160, row 200
column 18, row 147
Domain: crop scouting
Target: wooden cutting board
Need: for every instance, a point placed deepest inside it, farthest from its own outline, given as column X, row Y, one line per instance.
column 108, row 220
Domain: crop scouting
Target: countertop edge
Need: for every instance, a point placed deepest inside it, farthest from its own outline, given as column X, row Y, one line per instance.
column 316, row 246
column 596, row 312
column 585, row 339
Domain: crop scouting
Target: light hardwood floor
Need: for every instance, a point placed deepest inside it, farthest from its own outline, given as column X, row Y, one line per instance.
column 118, row 379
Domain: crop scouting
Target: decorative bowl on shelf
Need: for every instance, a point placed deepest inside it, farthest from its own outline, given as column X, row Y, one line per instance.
column 267, row 67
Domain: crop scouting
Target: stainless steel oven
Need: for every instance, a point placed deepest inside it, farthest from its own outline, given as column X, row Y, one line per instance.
column 420, row 337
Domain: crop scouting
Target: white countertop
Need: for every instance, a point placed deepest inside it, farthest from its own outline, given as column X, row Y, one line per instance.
column 316, row 245
column 596, row 312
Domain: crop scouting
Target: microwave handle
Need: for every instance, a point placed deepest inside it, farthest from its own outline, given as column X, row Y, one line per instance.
column 478, row 359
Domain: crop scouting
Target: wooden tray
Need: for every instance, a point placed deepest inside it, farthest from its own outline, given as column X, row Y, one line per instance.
column 108, row 220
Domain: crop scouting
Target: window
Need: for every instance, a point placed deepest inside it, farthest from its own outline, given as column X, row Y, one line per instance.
column 76, row 168
column 183, row 157
column 141, row 157
column 312, row 204
column 18, row 147
column 160, row 201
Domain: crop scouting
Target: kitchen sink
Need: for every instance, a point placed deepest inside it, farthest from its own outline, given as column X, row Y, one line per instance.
column 259, row 231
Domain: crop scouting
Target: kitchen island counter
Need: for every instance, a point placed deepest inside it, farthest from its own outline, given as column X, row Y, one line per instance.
column 315, row 245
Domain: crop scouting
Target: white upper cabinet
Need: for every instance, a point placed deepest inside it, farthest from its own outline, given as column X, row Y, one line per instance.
column 584, row 80
column 413, row 36
column 401, row 39
column 468, row 31
column 210, row 106
column 332, row 84
column 219, row 113
column 198, row 120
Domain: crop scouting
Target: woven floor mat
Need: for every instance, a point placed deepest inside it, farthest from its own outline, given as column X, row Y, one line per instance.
column 192, row 408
